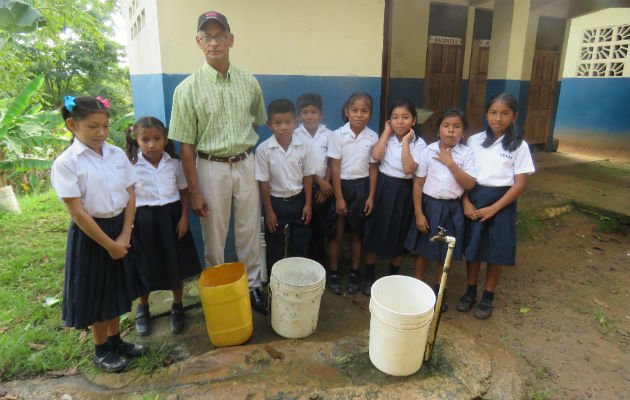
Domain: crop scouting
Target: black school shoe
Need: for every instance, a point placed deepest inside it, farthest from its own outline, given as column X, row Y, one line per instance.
column 110, row 362
column 143, row 320
column 483, row 309
column 334, row 283
column 353, row 282
column 258, row 301
column 125, row 349
column 177, row 318
column 465, row 303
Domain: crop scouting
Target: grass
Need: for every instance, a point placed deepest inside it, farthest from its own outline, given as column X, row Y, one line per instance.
column 33, row 339
column 527, row 226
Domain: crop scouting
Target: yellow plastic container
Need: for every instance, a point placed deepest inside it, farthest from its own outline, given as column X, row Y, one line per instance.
column 226, row 305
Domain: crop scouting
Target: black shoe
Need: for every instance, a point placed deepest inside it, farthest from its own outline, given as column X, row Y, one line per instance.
column 177, row 318
column 110, row 362
column 143, row 320
column 258, row 301
column 353, row 282
column 465, row 303
column 366, row 286
column 130, row 350
column 334, row 283
column 483, row 309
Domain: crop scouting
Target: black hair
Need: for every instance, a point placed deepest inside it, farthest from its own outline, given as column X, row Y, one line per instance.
column 309, row 99
column 83, row 106
column 354, row 97
column 280, row 106
column 451, row 112
column 131, row 135
column 409, row 106
column 511, row 137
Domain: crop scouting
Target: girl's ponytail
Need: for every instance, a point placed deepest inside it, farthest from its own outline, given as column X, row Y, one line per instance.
column 131, row 144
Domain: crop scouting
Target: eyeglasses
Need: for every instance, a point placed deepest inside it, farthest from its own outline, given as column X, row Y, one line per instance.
column 219, row 39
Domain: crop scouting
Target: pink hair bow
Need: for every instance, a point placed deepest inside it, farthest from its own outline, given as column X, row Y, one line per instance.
column 104, row 101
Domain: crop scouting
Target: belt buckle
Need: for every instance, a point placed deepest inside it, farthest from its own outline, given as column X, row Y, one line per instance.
column 233, row 159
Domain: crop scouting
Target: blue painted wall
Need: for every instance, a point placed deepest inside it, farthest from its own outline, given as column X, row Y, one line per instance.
column 410, row 88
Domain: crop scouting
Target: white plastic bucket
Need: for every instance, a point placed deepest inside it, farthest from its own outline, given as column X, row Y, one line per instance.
column 8, row 201
column 401, row 310
column 296, row 287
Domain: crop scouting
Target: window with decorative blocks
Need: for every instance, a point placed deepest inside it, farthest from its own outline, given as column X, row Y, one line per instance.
column 604, row 51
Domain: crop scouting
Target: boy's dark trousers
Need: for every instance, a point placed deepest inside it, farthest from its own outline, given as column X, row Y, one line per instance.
column 288, row 211
column 319, row 226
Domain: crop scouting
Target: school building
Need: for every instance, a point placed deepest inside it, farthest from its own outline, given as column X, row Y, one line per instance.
column 566, row 61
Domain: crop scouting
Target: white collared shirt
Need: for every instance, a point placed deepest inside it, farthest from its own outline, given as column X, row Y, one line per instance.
column 354, row 151
column 100, row 181
column 161, row 185
column 319, row 146
column 439, row 182
column 284, row 170
column 391, row 164
column 496, row 167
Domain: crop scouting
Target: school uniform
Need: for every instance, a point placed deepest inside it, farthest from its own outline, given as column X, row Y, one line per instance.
column 158, row 211
column 441, row 202
column 285, row 171
column 96, row 287
column 494, row 241
column 355, row 155
column 319, row 148
column 387, row 227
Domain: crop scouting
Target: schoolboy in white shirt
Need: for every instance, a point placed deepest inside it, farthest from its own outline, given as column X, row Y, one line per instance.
column 284, row 170
column 309, row 108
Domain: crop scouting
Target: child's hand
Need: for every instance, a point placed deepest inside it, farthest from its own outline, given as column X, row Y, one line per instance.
column 444, row 156
column 307, row 214
column 342, row 209
column 369, row 206
column 469, row 209
column 181, row 228
column 422, row 224
column 271, row 221
column 387, row 130
column 326, row 189
column 118, row 249
column 408, row 138
column 319, row 197
column 485, row 213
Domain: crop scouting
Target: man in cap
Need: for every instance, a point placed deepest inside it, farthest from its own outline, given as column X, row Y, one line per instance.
column 215, row 113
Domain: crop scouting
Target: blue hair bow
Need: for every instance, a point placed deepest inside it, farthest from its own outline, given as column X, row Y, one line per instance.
column 69, row 103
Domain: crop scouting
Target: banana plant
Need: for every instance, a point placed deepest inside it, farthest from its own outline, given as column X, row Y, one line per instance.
column 28, row 139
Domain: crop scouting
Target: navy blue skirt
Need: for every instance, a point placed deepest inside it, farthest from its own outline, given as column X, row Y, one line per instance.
column 96, row 287
column 355, row 193
column 169, row 260
column 386, row 228
column 492, row 241
column 448, row 214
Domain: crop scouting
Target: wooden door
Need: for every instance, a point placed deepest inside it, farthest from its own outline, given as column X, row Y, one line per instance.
column 442, row 79
column 542, row 96
column 478, row 76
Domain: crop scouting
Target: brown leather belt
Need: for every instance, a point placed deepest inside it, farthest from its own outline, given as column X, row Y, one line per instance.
column 232, row 159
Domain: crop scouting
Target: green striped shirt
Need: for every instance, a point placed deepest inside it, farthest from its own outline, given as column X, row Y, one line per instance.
column 215, row 113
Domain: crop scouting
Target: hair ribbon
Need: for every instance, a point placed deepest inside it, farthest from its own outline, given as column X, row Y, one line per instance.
column 105, row 102
column 69, row 103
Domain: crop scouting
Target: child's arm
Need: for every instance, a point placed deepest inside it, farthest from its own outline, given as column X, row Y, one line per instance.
column 520, row 183
column 463, row 179
column 86, row 223
column 197, row 200
column 271, row 221
column 378, row 151
column 182, row 225
column 369, row 203
column 307, row 211
column 421, row 220
column 129, row 215
column 409, row 164
column 335, row 166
